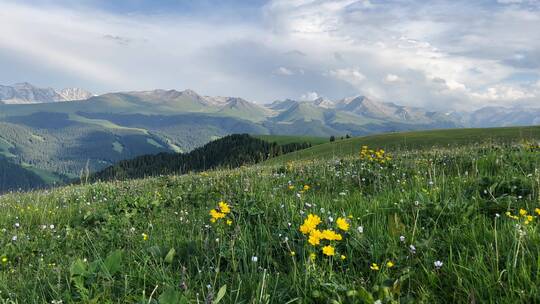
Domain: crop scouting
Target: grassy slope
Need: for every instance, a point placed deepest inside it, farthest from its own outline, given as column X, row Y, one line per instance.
column 419, row 139
column 424, row 196
column 289, row 139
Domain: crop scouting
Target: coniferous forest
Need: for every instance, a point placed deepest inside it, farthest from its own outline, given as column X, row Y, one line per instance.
column 228, row 152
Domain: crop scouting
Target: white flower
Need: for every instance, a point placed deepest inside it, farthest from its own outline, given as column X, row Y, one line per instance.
column 360, row 229
column 14, row 238
column 497, row 215
column 402, row 238
column 51, row 226
column 331, row 219
column 17, row 225
column 412, row 249
column 438, row 264
column 254, row 259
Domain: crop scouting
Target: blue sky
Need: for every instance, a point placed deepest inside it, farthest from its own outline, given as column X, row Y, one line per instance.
column 437, row 54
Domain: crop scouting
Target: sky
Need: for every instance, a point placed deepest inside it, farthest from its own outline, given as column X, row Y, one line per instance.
column 443, row 55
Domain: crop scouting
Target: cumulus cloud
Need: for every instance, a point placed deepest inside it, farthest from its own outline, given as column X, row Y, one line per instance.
column 392, row 78
column 309, row 96
column 283, row 71
column 350, row 75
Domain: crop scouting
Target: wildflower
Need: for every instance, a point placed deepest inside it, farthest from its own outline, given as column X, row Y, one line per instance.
column 402, row 239
column 145, row 237
column 293, row 253
column 224, row 207
column 315, row 237
column 312, row 257
column 390, row 264
column 306, row 187
column 291, row 187
column 4, row 260
column 310, row 223
column 412, row 249
column 216, row 215
column 14, row 238
column 438, row 264
column 342, row 224
column 374, row 267
column 328, row 250
column 331, row 235
column 229, row 222
column 343, row 258
column 522, row 212
column 254, row 259
column 360, row 229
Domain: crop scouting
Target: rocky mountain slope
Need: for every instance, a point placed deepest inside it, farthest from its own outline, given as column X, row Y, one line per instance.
column 25, row 93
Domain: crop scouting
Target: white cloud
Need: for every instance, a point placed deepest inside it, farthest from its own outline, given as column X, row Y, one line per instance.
column 309, row 96
column 350, row 75
column 392, row 78
column 283, row 71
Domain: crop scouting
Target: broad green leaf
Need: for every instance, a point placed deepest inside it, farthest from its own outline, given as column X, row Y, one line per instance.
column 113, row 262
column 221, row 293
column 172, row 296
column 170, row 256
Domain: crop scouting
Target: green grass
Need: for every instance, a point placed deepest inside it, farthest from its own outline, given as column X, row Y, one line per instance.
column 151, row 240
column 290, row 139
column 412, row 140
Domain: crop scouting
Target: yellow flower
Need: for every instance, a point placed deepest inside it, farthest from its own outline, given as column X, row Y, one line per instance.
column 522, row 212
column 229, row 222
column 293, row 253
column 343, row 257
column 315, row 237
column 306, row 187
column 4, row 260
column 374, row 267
column 312, row 257
column 331, row 235
column 328, row 250
column 310, row 223
column 291, row 187
column 224, row 207
column 530, row 218
column 145, row 237
column 390, row 264
column 537, row 210
column 216, row 215
column 342, row 224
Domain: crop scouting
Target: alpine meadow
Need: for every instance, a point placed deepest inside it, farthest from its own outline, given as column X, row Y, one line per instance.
column 381, row 152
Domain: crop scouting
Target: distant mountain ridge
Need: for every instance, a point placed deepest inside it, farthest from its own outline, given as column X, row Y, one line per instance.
column 355, row 115
column 26, row 93
column 99, row 131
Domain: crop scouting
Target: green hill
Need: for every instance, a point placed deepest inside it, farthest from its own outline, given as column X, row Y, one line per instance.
column 228, row 152
column 458, row 224
column 412, row 140
column 292, row 139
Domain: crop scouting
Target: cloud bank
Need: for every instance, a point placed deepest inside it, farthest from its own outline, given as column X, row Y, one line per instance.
column 437, row 54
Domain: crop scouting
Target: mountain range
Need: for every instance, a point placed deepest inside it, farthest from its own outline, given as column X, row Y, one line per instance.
column 70, row 131
column 25, row 93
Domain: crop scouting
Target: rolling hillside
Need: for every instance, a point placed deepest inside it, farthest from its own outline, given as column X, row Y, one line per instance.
column 412, row 140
